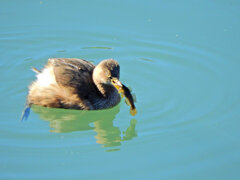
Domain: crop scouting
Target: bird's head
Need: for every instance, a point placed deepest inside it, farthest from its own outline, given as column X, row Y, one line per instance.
column 108, row 72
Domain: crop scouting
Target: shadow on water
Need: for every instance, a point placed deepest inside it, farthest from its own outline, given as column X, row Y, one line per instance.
column 66, row 121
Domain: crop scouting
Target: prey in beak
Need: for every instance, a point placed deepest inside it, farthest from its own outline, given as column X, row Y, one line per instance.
column 124, row 91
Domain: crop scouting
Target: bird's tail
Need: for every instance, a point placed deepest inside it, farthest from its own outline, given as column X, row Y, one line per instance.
column 36, row 70
column 27, row 107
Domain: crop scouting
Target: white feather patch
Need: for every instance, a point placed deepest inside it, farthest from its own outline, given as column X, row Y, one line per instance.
column 46, row 77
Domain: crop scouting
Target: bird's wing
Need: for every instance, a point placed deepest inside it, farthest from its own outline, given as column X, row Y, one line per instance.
column 73, row 73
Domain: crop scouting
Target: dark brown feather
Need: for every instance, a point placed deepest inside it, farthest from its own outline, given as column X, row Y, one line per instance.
column 75, row 74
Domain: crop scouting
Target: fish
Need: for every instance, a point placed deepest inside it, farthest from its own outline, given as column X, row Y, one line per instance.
column 125, row 92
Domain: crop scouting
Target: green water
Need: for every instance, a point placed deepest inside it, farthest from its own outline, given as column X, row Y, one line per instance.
column 181, row 59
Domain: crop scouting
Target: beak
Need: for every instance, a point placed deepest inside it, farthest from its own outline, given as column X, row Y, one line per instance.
column 117, row 84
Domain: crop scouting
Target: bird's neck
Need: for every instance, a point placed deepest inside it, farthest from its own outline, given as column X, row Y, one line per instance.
column 110, row 96
column 105, row 90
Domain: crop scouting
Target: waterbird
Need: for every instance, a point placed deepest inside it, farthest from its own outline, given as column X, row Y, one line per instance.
column 73, row 83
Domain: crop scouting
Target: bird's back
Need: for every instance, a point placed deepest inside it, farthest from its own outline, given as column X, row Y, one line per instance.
column 64, row 83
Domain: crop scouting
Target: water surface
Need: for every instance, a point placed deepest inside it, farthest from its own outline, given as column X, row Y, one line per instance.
column 180, row 59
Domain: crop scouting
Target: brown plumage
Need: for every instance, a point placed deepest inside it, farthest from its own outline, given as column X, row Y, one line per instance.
column 76, row 84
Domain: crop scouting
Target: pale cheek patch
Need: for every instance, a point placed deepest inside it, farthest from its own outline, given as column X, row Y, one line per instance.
column 46, row 78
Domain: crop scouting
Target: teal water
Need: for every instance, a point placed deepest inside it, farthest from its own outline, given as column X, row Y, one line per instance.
column 181, row 59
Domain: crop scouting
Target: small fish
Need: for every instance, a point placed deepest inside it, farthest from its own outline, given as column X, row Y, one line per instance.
column 125, row 92
column 130, row 100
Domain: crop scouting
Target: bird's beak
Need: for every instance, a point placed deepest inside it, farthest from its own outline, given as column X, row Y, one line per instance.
column 117, row 84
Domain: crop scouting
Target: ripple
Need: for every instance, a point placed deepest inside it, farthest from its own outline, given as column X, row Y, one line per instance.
column 183, row 85
column 63, row 50
column 178, row 85
column 96, row 47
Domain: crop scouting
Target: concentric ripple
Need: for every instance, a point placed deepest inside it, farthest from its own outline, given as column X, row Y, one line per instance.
column 182, row 85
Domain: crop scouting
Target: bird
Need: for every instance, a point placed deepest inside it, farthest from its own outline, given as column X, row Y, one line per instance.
column 73, row 83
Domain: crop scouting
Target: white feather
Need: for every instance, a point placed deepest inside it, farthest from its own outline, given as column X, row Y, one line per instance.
column 46, row 77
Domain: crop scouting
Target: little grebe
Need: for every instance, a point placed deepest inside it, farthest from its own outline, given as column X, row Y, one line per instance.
column 77, row 84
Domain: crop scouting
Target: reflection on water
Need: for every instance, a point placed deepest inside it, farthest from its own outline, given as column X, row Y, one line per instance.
column 65, row 121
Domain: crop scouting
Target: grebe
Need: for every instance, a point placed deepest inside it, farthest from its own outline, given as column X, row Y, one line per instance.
column 72, row 83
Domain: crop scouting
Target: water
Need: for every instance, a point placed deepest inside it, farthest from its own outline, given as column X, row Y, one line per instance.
column 180, row 59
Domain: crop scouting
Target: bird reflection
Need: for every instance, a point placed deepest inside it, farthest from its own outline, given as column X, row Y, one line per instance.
column 108, row 135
